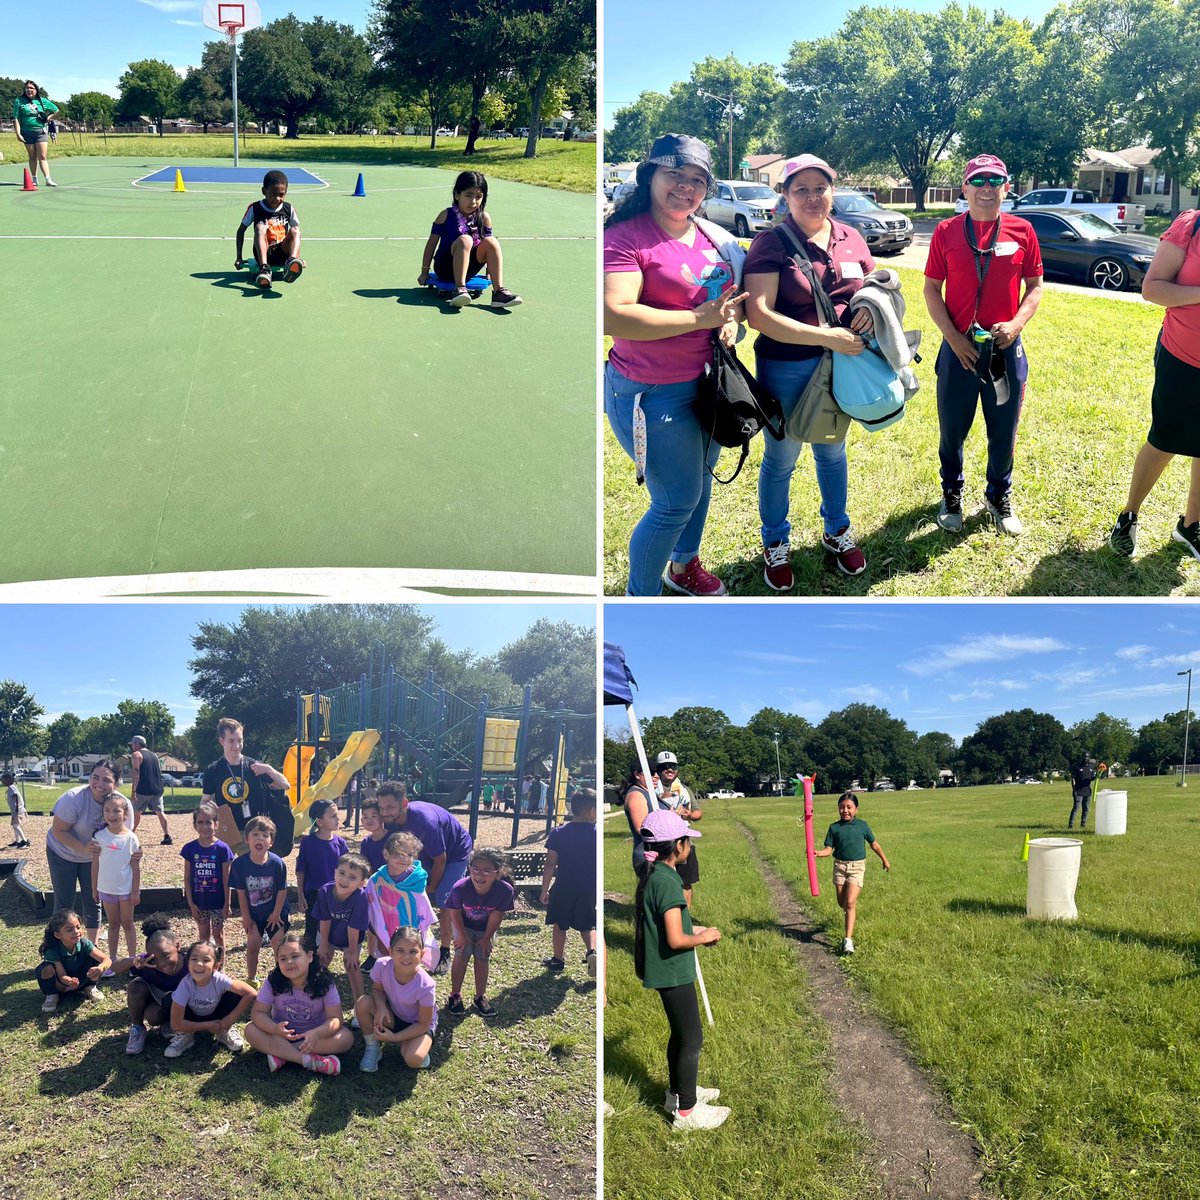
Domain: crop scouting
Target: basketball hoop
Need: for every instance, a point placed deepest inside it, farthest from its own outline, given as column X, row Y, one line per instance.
column 231, row 20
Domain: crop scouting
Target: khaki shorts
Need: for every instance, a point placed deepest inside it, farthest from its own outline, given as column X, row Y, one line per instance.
column 849, row 872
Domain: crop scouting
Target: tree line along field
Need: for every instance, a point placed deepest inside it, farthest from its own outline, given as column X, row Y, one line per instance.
column 1066, row 1050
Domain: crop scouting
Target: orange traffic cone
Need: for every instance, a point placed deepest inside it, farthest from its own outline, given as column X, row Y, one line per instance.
column 30, row 184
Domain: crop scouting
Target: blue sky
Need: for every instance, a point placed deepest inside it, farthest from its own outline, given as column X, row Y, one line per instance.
column 86, row 659
column 936, row 666
column 648, row 47
column 84, row 46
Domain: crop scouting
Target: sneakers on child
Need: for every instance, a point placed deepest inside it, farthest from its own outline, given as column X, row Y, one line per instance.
column 323, row 1064
column 777, row 570
column 274, row 1062
column 553, row 965
column 371, row 1055
column 108, row 973
column 703, row 1116
column 368, row 963
column 137, row 1039
column 589, row 961
column 846, row 554
column 50, row 1004
column 232, row 1040
column 950, row 516
column 847, row 945
column 443, row 963
column 50, row 182
column 694, row 581
column 483, row 1006
column 424, row 1064
column 703, row 1096
column 91, row 992
column 1188, row 535
column 264, row 280
column 455, row 1005
column 292, row 269
column 503, row 298
column 166, row 840
column 179, row 1043
column 459, row 297
column 1001, row 512
column 1123, row 539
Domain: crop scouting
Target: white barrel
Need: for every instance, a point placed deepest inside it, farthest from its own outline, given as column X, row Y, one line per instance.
column 1053, row 874
column 1112, row 810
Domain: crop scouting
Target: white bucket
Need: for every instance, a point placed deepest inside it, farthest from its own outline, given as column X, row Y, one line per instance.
column 1053, row 874
column 1112, row 809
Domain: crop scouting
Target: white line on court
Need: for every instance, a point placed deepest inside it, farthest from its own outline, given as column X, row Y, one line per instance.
column 346, row 584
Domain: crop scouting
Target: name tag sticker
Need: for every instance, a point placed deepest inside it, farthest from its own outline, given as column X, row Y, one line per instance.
column 712, row 255
column 1006, row 249
column 851, row 270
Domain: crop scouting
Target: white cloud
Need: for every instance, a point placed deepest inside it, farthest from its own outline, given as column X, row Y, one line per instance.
column 1134, row 653
column 1191, row 659
column 770, row 656
column 172, row 6
column 192, row 24
column 970, row 650
column 864, row 693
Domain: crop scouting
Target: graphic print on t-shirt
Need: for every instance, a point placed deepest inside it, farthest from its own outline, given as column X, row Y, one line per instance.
column 713, row 278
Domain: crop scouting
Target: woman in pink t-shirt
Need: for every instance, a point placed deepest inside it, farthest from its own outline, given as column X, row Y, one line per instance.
column 1173, row 281
column 669, row 283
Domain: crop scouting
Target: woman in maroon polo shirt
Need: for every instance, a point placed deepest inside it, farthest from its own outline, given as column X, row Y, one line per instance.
column 790, row 344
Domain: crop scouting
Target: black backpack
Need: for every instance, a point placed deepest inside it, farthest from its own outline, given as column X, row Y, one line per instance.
column 734, row 407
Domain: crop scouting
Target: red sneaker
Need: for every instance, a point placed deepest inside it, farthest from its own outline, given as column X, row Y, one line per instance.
column 695, row 580
column 778, row 569
column 849, row 558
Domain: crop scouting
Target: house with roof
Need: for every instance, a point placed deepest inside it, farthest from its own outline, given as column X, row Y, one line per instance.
column 1133, row 174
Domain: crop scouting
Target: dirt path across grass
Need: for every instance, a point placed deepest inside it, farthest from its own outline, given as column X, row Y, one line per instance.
column 920, row 1152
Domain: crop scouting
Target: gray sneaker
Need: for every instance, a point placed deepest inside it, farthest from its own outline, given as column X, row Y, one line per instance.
column 1188, row 535
column 137, row 1039
column 1000, row 510
column 179, row 1043
column 1123, row 539
column 950, row 513
column 50, row 1004
column 232, row 1040
column 91, row 992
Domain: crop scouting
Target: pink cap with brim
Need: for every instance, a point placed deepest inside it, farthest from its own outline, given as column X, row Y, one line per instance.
column 662, row 825
column 985, row 162
column 804, row 162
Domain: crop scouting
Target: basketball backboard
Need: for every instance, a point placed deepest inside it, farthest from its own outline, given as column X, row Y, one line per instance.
column 232, row 19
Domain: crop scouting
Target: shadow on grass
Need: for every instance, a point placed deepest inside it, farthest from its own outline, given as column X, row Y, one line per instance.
column 631, row 1067
column 524, row 1001
column 238, row 281
column 1100, row 572
column 818, row 933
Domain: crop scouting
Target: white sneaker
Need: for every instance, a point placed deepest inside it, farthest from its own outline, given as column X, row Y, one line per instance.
column 91, row 992
column 703, row 1096
column 590, row 962
column 847, row 945
column 232, row 1040
column 50, row 182
column 179, row 1043
column 50, row 1004
column 703, row 1116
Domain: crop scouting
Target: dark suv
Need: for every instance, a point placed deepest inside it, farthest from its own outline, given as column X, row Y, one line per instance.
column 884, row 231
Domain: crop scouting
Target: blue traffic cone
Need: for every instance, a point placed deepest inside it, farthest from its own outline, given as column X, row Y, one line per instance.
column 359, row 190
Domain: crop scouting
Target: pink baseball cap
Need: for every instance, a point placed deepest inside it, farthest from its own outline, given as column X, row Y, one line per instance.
column 803, row 162
column 662, row 825
column 987, row 163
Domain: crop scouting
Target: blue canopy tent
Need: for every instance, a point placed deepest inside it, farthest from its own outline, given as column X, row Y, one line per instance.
column 618, row 685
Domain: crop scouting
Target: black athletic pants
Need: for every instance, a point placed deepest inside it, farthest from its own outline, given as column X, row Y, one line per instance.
column 687, row 1036
column 1080, row 796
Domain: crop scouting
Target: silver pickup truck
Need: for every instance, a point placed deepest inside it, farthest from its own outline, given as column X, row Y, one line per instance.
column 1127, row 217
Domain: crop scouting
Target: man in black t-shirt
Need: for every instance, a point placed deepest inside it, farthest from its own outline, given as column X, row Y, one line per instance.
column 1082, row 778
column 246, row 787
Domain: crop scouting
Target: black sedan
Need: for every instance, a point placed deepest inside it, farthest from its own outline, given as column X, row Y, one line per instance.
column 1079, row 246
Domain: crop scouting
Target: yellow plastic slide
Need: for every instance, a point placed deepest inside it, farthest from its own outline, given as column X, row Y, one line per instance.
column 289, row 768
column 337, row 775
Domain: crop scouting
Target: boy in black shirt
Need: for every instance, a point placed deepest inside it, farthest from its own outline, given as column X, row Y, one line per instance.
column 276, row 232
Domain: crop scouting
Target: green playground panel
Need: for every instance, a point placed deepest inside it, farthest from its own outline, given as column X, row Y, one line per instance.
column 174, row 418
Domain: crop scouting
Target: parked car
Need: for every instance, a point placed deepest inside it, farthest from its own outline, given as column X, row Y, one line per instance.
column 884, row 785
column 31, row 776
column 884, row 231
column 1079, row 246
column 169, row 780
column 743, row 207
column 1125, row 216
column 723, row 795
column 444, row 132
column 623, row 189
column 192, row 781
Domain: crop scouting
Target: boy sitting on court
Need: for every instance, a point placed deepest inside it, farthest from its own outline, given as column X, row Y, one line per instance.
column 276, row 232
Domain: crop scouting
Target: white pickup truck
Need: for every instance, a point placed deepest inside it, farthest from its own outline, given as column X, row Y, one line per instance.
column 1127, row 217
column 723, row 795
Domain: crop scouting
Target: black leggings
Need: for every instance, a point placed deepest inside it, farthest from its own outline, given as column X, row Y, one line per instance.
column 687, row 1036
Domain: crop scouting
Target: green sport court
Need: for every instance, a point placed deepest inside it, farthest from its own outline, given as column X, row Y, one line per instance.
column 166, row 427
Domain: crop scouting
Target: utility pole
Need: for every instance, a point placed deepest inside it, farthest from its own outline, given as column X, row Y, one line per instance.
column 1187, row 722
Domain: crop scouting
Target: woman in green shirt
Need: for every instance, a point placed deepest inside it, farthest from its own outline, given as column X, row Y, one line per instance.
column 30, row 114
column 665, row 960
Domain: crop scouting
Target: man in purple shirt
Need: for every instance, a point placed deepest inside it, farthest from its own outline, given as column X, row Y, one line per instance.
column 445, row 848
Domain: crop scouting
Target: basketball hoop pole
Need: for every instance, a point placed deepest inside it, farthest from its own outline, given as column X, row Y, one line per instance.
column 233, row 32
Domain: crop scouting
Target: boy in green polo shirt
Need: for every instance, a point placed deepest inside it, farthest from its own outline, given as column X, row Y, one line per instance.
column 847, row 840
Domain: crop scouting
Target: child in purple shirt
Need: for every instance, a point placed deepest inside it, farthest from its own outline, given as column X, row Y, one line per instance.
column 571, row 864
column 317, row 859
column 206, row 862
column 402, row 1007
column 342, row 914
column 476, row 906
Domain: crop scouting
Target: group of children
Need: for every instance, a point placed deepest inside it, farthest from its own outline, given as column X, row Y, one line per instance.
column 461, row 241
column 375, row 896
column 665, row 941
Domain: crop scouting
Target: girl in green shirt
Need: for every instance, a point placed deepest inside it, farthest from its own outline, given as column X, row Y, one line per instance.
column 664, row 958
column 30, row 114
column 847, row 840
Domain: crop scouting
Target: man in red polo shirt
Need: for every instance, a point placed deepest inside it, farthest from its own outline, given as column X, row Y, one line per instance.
column 973, row 277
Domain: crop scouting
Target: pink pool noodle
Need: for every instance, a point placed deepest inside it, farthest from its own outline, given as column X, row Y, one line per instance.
column 806, row 781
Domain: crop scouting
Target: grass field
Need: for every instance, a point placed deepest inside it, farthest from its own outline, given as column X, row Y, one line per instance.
column 1087, row 409
column 1066, row 1050
column 163, row 417
column 507, row 1110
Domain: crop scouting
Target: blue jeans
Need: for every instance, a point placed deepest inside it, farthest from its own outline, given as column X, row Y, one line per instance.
column 786, row 381
column 676, row 478
column 64, row 876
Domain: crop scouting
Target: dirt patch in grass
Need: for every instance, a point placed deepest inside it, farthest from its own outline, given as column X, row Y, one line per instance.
column 920, row 1151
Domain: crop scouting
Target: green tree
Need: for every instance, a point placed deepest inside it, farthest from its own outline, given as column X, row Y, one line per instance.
column 20, row 734
column 62, row 736
column 1016, row 743
column 1107, row 739
column 1159, row 744
column 149, row 88
column 890, row 85
column 93, row 109
column 205, row 93
column 863, row 742
column 635, row 127
column 558, row 660
column 150, row 719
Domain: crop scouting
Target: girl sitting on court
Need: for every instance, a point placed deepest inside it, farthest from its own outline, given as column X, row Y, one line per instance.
column 297, row 1016
column 117, row 874
column 154, row 975
column 664, row 959
column 847, row 840
column 402, row 1006
column 461, row 244
column 207, row 1001
column 476, row 906
column 70, row 963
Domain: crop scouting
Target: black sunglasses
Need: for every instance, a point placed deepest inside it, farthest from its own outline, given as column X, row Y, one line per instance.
column 987, row 181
